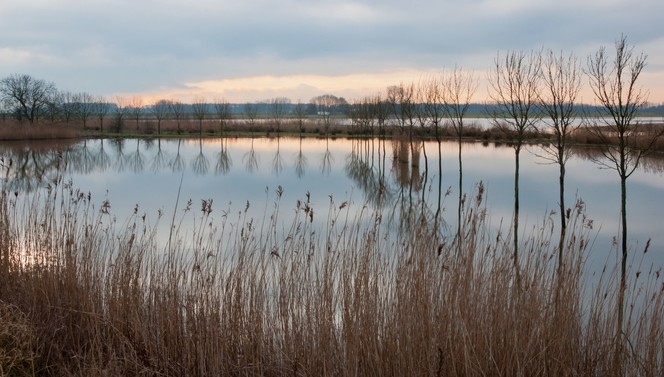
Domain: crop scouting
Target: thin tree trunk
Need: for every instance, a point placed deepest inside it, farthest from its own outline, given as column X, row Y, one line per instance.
column 563, row 219
column 516, row 214
column 459, row 209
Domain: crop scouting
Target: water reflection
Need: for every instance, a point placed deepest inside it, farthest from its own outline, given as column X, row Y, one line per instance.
column 251, row 158
column 200, row 164
column 224, row 161
column 177, row 162
column 301, row 160
column 412, row 183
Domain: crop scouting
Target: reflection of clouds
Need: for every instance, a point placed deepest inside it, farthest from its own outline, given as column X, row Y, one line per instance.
column 351, row 165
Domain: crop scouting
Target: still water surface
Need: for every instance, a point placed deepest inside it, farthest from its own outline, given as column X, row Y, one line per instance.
column 163, row 175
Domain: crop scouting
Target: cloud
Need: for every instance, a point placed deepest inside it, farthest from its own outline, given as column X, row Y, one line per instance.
column 110, row 47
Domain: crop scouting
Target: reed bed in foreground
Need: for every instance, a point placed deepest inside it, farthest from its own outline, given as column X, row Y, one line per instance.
column 82, row 293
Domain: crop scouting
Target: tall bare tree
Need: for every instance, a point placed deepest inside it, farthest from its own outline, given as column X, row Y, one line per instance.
column 401, row 99
column 458, row 89
column 177, row 108
column 514, row 88
column 100, row 108
column 625, row 141
column 26, row 95
column 300, row 114
column 251, row 113
column 382, row 112
column 325, row 105
column 224, row 114
column 160, row 109
column 135, row 108
column 561, row 83
column 68, row 105
column 278, row 108
column 85, row 107
column 121, row 110
column 200, row 110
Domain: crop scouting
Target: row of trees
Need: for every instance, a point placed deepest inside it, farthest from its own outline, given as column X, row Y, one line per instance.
column 30, row 99
column 529, row 90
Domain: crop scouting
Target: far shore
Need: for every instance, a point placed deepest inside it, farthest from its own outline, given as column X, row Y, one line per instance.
column 11, row 130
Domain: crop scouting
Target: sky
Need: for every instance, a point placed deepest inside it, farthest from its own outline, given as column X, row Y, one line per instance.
column 252, row 50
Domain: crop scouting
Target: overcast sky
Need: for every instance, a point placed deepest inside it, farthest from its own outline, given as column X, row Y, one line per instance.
column 246, row 50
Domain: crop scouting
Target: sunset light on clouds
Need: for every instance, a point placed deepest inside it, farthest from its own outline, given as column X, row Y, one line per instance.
column 254, row 50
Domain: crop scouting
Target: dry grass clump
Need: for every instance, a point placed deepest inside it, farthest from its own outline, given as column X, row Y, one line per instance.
column 14, row 130
column 226, row 294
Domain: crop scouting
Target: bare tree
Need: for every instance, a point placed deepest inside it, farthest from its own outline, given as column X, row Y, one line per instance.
column 278, row 106
column 177, row 108
column 67, row 105
column 122, row 109
column 613, row 80
column 381, row 111
column 136, row 109
column 458, row 88
column 561, row 79
column 100, row 108
column 325, row 105
column 200, row 110
column 361, row 115
column 26, row 95
column 160, row 109
column 300, row 114
column 251, row 113
column 54, row 106
column 223, row 110
column 430, row 95
column 514, row 88
column 85, row 107
column 402, row 104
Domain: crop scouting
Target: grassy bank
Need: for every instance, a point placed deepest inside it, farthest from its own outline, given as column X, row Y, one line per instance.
column 85, row 292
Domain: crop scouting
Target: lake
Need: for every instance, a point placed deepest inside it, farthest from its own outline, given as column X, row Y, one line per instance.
column 367, row 174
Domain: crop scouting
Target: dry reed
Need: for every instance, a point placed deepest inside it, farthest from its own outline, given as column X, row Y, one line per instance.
column 82, row 293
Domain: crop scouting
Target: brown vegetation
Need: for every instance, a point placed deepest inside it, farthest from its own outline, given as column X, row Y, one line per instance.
column 84, row 294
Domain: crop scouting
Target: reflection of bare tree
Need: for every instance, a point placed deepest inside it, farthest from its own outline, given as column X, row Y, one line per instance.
column 277, row 160
column 652, row 163
column 148, row 144
column 102, row 159
column 28, row 168
column 177, row 163
column 85, row 159
column 224, row 161
column 300, row 161
column 251, row 159
column 159, row 160
column 327, row 159
column 118, row 146
column 136, row 159
column 361, row 169
column 200, row 164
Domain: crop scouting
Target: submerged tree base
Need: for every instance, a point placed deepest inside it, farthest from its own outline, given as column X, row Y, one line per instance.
column 84, row 294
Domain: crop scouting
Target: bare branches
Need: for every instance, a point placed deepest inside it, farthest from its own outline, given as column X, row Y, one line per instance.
column 458, row 89
column 514, row 88
column 561, row 84
column 614, row 84
column 26, row 95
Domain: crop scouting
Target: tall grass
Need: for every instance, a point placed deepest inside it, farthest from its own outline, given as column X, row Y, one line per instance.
column 83, row 293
